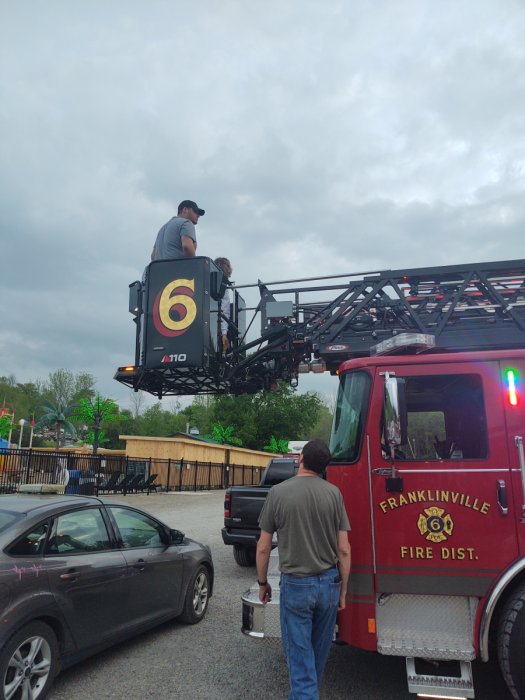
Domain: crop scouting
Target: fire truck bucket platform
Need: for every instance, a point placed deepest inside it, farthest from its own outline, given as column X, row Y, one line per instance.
column 442, row 686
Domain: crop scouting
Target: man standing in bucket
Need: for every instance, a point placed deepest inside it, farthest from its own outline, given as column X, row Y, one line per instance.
column 312, row 527
column 177, row 238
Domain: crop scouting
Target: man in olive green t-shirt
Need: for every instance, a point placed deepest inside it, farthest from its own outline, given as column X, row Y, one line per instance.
column 309, row 517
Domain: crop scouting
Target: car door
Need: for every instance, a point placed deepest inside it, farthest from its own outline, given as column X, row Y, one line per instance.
column 154, row 569
column 24, row 586
column 87, row 575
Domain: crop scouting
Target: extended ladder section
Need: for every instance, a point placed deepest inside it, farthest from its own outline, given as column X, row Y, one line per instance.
column 310, row 325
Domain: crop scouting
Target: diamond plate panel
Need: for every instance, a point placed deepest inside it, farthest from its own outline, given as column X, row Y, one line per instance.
column 437, row 627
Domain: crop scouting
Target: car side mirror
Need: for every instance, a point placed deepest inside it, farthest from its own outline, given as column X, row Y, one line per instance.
column 177, row 537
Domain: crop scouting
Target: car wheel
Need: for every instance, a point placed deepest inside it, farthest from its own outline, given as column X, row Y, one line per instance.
column 28, row 663
column 244, row 556
column 197, row 597
column 511, row 642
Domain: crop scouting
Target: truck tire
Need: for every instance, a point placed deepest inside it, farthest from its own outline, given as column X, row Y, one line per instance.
column 244, row 556
column 511, row 643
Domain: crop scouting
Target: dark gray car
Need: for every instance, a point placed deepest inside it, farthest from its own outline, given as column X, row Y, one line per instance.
column 78, row 574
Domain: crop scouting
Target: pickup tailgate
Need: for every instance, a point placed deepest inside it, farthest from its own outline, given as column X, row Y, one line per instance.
column 246, row 504
column 241, row 526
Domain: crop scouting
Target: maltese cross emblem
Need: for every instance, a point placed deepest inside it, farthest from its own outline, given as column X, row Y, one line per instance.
column 435, row 524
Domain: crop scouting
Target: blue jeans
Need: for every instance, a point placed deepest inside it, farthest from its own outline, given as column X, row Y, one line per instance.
column 308, row 610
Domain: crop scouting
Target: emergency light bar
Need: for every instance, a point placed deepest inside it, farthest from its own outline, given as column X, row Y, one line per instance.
column 404, row 341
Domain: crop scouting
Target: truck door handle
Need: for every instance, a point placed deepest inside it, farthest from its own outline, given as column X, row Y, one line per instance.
column 503, row 501
column 518, row 441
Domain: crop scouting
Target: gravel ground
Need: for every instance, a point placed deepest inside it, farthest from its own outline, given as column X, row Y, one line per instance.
column 214, row 660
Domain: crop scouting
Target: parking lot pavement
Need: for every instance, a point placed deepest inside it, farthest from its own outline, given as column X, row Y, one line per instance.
column 214, row 660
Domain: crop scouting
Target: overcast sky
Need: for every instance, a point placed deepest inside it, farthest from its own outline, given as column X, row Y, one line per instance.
column 320, row 137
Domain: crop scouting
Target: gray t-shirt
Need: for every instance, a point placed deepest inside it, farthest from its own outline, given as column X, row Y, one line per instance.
column 307, row 513
column 168, row 245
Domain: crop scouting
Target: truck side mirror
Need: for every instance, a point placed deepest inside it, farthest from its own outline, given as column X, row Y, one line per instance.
column 395, row 426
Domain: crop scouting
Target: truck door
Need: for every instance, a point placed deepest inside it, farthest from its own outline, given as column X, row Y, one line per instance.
column 512, row 374
column 440, row 530
column 349, row 471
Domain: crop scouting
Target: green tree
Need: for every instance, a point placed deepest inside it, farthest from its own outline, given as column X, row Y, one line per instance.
column 5, row 425
column 137, row 400
column 258, row 417
column 57, row 416
column 100, row 438
column 323, row 426
column 156, row 422
column 126, row 425
column 239, row 412
column 199, row 414
column 95, row 412
column 224, row 435
column 65, row 388
column 277, row 445
column 24, row 399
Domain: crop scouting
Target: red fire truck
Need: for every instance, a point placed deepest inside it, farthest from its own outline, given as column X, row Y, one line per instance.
column 427, row 445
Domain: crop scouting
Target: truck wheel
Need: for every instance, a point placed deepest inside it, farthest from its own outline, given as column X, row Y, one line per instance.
column 244, row 556
column 511, row 643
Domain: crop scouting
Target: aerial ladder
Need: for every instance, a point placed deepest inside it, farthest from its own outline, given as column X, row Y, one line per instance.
column 310, row 324
column 438, row 525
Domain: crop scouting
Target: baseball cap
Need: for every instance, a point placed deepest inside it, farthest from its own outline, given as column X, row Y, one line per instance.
column 191, row 205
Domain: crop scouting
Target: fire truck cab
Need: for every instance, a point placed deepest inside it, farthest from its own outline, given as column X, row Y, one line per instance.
column 427, row 450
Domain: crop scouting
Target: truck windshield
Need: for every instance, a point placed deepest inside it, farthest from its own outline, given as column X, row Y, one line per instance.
column 349, row 417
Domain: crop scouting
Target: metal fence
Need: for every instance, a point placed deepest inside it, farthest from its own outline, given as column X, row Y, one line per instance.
column 90, row 474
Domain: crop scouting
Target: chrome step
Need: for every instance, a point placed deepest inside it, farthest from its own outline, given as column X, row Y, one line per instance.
column 436, row 686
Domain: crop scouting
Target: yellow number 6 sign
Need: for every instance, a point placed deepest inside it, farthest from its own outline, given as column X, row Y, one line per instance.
column 176, row 298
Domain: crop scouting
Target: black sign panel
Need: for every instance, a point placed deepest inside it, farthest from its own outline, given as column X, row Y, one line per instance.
column 177, row 314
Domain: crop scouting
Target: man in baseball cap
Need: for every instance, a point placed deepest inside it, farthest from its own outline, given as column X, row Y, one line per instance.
column 177, row 238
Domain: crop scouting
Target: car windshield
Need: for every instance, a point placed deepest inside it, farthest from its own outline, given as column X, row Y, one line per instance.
column 7, row 518
column 349, row 418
